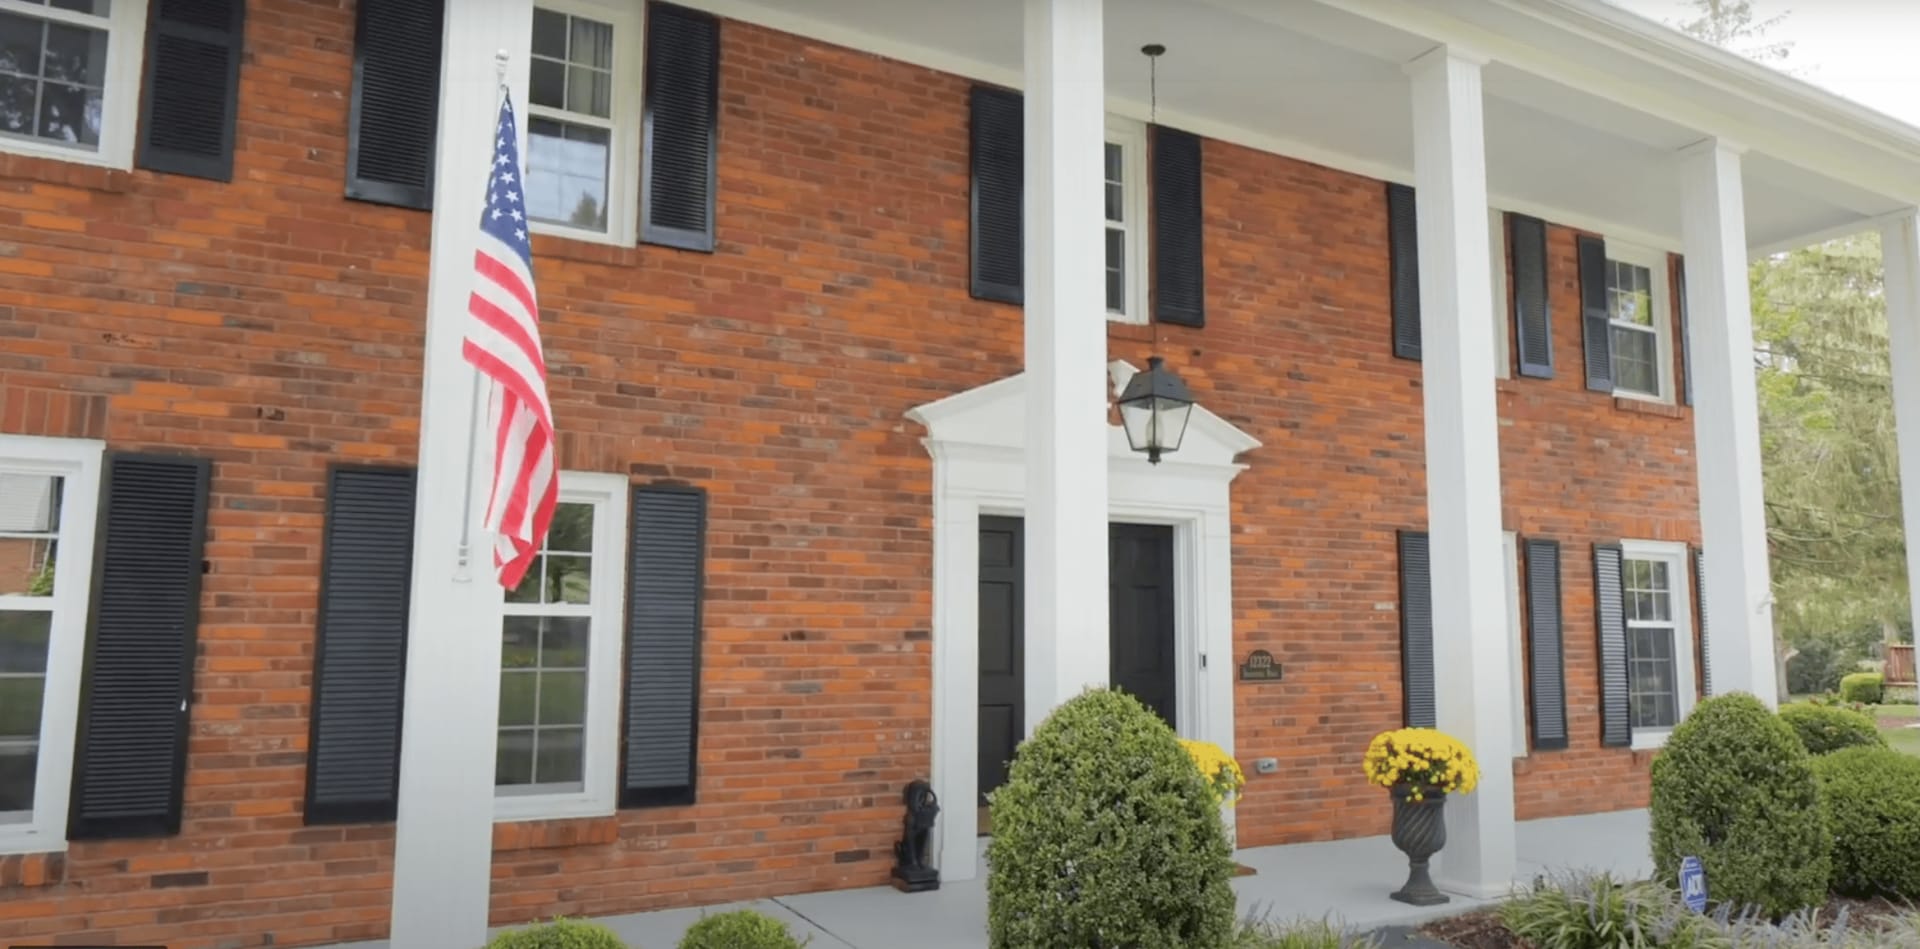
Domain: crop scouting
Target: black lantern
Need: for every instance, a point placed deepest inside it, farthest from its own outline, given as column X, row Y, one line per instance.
column 1154, row 410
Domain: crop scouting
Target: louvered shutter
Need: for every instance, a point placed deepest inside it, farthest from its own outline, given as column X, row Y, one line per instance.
column 1416, row 631
column 192, row 86
column 668, row 543
column 1595, row 322
column 997, row 150
column 1616, row 723
column 1403, row 262
column 1179, row 253
column 1700, row 606
column 1686, row 337
column 1527, row 247
column 360, row 650
column 681, row 128
column 1547, row 671
column 130, row 756
column 395, row 110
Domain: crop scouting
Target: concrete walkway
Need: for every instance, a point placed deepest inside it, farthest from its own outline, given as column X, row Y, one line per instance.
column 1346, row 881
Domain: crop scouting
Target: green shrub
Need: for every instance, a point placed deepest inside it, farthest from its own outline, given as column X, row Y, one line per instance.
column 1265, row 933
column 1861, row 687
column 1816, row 666
column 1105, row 834
column 1833, row 700
column 1872, row 802
column 1595, row 911
column 1825, row 728
column 740, row 929
column 559, row 934
column 1735, row 788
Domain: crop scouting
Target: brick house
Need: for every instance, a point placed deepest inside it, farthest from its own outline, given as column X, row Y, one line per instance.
column 1459, row 289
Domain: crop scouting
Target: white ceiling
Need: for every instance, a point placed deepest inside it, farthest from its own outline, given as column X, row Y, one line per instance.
column 1302, row 78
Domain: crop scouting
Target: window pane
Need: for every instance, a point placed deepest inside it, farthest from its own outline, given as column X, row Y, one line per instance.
column 590, row 91
column 547, row 83
column 76, row 55
column 1636, row 360
column 520, row 643
column 562, row 756
column 513, row 758
column 1116, row 160
column 50, row 79
column 1116, row 270
column 549, row 33
column 69, row 114
column 563, row 698
column 530, row 585
column 563, row 645
column 17, row 114
column 567, row 173
column 24, row 635
column 94, row 7
column 20, row 41
column 519, row 689
column 1652, row 677
column 572, row 528
column 569, row 579
column 592, row 44
column 18, row 761
column 20, row 706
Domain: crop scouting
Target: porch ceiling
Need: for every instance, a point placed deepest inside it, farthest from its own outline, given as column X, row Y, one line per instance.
column 1307, row 79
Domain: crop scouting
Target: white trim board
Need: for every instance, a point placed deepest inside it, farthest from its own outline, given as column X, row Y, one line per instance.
column 977, row 441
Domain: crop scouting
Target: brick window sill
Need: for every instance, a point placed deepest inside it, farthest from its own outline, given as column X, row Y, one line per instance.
column 1643, row 407
column 53, row 171
column 33, row 869
column 552, row 834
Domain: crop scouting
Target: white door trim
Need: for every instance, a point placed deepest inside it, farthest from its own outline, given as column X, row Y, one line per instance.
column 976, row 439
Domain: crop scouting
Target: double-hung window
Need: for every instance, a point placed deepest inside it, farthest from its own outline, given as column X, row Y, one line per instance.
column 560, row 649
column 49, row 489
column 1660, row 677
column 1124, row 173
column 70, row 78
column 583, row 122
column 1640, row 322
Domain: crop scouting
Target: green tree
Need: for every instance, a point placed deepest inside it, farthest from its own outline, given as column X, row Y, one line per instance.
column 1730, row 25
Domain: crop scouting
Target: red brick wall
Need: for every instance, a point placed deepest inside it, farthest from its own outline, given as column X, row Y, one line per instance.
column 272, row 325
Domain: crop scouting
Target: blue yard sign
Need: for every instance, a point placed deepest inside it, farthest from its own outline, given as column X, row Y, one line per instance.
column 1693, row 884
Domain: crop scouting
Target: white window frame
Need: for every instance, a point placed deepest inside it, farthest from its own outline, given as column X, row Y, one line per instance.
column 1516, row 648
column 1656, row 263
column 1674, row 555
column 77, row 461
column 605, row 660
column 1502, row 317
column 624, row 116
column 1131, row 136
column 126, row 25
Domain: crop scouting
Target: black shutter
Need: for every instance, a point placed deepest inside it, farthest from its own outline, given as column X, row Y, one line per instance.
column 668, row 543
column 1700, row 605
column 1403, row 251
column 360, row 650
column 998, row 156
column 1179, row 253
column 1527, row 246
column 192, row 85
column 681, row 128
column 395, row 111
column 1547, row 670
column 1616, row 724
column 1416, row 631
column 1686, row 339
column 1594, row 320
column 130, row 757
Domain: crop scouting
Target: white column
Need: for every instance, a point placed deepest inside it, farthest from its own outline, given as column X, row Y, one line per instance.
column 443, row 838
column 1066, row 335
column 1900, row 249
column 1726, row 421
column 1463, row 465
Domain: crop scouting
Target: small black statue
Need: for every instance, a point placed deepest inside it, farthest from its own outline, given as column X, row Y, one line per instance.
column 911, row 874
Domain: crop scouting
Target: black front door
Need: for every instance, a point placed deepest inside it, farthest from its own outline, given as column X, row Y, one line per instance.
column 1140, row 622
column 1140, row 631
column 1002, row 599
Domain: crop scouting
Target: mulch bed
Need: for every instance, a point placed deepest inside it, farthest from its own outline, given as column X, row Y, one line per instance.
column 1482, row 929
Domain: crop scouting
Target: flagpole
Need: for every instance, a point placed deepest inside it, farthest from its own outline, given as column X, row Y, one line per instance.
column 461, row 574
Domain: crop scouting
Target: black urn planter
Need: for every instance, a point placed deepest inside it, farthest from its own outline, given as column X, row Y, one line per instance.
column 1419, row 830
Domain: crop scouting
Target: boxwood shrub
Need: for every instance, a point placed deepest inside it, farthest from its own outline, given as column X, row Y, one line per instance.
column 558, row 934
column 1872, row 802
column 1827, row 728
column 1105, row 835
column 1862, row 687
column 1735, row 788
column 740, row 929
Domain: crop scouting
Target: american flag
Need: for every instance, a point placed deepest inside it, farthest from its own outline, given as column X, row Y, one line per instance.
column 503, row 342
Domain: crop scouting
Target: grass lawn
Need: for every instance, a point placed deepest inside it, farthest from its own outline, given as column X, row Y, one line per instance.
column 1893, row 721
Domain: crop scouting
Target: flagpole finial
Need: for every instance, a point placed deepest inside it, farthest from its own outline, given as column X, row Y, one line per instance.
column 500, row 60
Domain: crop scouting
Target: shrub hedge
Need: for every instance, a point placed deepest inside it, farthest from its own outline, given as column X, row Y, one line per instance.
column 558, row 934
column 1871, row 797
column 1105, row 834
column 1827, row 728
column 1862, row 687
column 1735, row 787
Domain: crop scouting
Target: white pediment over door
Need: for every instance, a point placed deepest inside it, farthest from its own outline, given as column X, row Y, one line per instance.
column 993, row 416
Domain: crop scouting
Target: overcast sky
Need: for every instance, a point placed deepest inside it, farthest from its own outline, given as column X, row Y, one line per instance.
column 1866, row 50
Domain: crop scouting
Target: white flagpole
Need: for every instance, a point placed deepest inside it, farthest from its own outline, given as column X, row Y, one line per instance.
column 443, row 832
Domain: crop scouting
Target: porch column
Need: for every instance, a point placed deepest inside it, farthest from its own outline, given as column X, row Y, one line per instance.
column 1473, row 701
column 1900, row 251
column 1726, row 421
column 1066, row 354
column 443, row 836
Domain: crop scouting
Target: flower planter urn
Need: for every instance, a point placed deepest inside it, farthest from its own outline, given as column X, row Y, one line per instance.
column 1419, row 830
